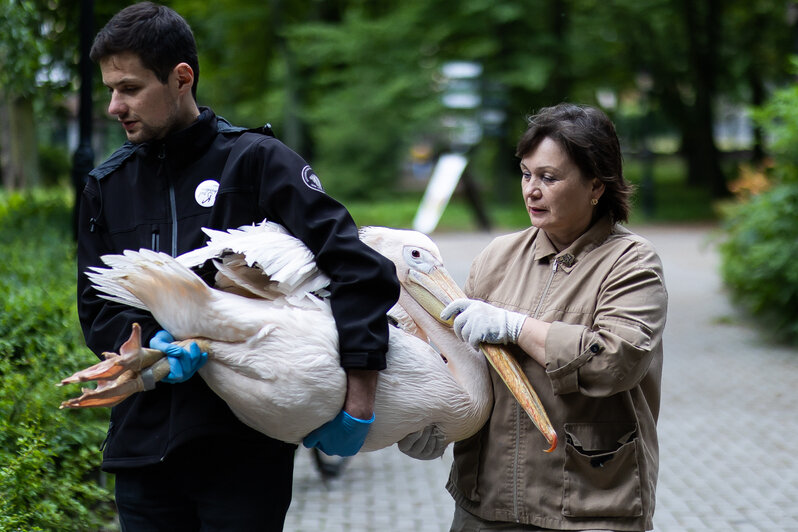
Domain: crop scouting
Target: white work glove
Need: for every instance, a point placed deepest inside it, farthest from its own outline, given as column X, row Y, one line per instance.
column 425, row 444
column 478, row 322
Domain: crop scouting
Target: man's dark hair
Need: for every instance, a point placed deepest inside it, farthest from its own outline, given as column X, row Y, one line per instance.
column 588, row 136
column 156, row 34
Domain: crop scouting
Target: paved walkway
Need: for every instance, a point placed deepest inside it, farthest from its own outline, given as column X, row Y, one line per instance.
column 728, row 427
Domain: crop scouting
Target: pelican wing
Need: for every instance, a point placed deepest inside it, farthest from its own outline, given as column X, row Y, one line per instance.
column 289, row 266
column 111, row 281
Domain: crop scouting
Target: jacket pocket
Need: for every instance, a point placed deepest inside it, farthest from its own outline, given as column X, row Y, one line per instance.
column 601, row 473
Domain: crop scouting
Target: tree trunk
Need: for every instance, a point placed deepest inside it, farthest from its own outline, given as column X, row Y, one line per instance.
column 6, row 173
column 560, row 79
column 19, row 160
column 702, row 156
column 757, row 100
column 698, row 142
column 292, row 133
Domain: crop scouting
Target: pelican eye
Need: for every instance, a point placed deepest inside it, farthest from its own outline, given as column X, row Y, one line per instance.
column 418, row 259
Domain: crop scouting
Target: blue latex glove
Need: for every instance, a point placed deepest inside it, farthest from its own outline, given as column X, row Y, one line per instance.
column 183, row 363
column 342, row 436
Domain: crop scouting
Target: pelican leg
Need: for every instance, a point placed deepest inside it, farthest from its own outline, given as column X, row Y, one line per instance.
column 112, row 392
column 119, row 376
column 132, row 357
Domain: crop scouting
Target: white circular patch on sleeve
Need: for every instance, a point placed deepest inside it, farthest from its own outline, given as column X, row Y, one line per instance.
column 311, row 179
column 206, row 192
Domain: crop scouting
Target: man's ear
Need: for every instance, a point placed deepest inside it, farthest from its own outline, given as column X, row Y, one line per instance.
column 184, row 75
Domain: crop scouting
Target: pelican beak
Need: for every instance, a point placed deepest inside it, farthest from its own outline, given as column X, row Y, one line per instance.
column 516, row 380
column 435, row 289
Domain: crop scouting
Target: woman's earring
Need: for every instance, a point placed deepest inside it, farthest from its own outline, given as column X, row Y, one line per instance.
column 594, row 201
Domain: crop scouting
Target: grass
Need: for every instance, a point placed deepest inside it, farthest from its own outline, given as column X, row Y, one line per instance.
column 673, row 200
column 458, row 215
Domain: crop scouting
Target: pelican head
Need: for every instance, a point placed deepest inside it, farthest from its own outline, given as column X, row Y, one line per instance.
column 419, row 266
column 420, row 270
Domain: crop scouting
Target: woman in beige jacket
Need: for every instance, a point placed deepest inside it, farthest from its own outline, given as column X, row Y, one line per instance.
column 582, row 303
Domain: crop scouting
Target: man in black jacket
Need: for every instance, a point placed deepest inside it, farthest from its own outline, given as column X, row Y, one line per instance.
column 181, row 458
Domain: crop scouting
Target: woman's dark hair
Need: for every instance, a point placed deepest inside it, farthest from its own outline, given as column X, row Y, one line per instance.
column 156, row 34
column 588, row 136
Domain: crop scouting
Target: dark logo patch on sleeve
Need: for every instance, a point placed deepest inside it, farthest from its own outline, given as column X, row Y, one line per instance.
column 311, row 179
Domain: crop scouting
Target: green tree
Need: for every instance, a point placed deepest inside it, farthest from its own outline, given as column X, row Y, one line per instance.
column 696, row 54
column 249, row 74
column 370, row 89
column 351, row 84
column 38, row 63
column 20, row 53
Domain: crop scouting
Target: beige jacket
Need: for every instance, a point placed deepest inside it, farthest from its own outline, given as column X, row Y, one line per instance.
column 606, row 301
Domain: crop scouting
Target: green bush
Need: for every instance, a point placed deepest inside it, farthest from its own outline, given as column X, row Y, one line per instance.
column 779, row 118
column 55, row 164
column 758, row 258
column 761, row 244
column 49, row 458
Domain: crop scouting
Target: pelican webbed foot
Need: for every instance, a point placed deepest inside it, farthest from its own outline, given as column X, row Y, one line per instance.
column 119, row 376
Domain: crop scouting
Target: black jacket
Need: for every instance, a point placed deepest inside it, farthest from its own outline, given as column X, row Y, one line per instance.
column 159, row 195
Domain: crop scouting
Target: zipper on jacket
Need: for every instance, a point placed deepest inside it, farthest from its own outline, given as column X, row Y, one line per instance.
column 156, row 239
column 107, row 436
column 174, row 217
column 172, row 201
column 518, row 406
column 546, row 290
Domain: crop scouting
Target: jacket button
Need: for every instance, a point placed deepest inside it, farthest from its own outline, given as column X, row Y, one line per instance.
column 594, row 348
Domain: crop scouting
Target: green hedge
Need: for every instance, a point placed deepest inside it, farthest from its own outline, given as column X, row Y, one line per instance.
column 759, row 259
column 49, row 458
column 761, row 247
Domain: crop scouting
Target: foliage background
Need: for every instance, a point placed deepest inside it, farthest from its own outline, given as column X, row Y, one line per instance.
column 49, row 458
column 355, row 85
column 761, row 230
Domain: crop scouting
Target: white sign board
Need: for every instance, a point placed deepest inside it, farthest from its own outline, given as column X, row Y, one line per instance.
column 439, row 190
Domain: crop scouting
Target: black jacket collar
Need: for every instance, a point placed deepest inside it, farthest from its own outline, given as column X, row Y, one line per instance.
column 181, row 147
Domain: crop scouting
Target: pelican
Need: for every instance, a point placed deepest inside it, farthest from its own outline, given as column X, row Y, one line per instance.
column 272, row 343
